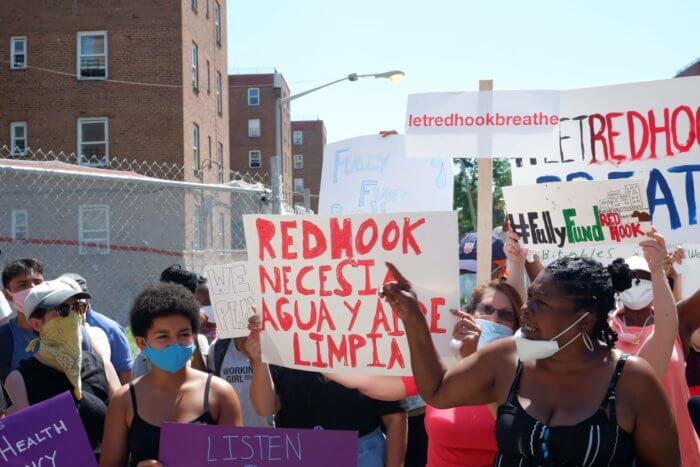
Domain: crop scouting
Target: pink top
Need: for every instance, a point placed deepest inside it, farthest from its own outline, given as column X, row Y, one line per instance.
column 458, row 437
column 676, row 389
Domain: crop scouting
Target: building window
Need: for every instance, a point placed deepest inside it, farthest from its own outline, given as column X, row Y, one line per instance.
column 217, row 22
column 195, row 148
column 194, row 6
column 93, row 141
column 254, row 127
column 197, row 234
column 208, row 78
column 18, row 138
column 298, row 137
column 195, row 67
column 222, row 231
column 18, row 53
column 207, row 10
column 93, row 231
column 209, row 147
column 298, row 185
column 220, row 160
column 92, row 55
column 253, row 96
column 298, row 161
column 219, row 99
column 20, row 224
column 254, row 159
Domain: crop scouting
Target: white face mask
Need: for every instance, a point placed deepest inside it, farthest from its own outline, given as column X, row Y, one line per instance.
column 638, row 296
column 533, row 349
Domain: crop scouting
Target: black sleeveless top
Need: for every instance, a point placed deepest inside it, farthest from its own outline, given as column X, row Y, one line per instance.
column 143, row 439
column 43, row 382
column 597, row 441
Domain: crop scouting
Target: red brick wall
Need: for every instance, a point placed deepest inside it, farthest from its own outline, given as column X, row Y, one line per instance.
column 314, row 138
column 144, row 45
column 241, row 112
column 200, row 107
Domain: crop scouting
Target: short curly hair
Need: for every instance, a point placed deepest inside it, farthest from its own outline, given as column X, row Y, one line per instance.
column 159, row 300
column 593, row 286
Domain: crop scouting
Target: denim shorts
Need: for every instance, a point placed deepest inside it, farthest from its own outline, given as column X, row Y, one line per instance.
column 371, row 449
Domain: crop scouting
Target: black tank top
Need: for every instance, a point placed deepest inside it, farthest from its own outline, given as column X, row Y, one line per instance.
column 143, row 439
column 43, row 382
column 597, row 441
column 692, row 367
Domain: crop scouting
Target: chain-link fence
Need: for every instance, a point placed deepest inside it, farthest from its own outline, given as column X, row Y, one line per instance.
column 120, row 224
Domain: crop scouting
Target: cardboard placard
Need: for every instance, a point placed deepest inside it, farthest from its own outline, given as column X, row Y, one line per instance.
column 371, row 174
column 187, row 445
column 231, row 297
column 578, row 214
column 317, row 279
column 49, row 433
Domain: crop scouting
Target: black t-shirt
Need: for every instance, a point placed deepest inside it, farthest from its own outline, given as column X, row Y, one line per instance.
column 309, row 401
column 43, row 382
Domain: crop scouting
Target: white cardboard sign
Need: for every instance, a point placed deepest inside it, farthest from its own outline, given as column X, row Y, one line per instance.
column 579, row 214
column 231, row 296
column 370, row 174
column 317, row 280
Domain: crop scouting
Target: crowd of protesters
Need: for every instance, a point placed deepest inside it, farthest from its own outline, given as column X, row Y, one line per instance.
column 569, row 363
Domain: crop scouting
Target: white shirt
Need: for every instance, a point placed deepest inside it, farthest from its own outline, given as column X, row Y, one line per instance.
column 236, row 370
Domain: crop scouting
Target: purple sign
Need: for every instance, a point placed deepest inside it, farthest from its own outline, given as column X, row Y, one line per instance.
column 48, row 434
column 185, row 445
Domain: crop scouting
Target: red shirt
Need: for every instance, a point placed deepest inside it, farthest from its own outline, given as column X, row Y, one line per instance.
column 461, row 436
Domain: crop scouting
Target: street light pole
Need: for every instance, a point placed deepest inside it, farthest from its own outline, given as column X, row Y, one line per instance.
column 277, row 195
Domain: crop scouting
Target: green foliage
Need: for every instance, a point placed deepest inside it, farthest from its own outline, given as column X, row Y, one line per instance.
column 501, row 178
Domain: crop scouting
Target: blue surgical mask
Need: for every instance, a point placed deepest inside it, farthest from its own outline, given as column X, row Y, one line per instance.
column 491, row 331
column 172, row 358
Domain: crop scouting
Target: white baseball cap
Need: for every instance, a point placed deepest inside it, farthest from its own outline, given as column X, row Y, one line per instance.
column 50, row 294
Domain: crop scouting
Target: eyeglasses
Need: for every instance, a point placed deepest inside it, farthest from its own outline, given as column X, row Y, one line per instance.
column 504, row 314
column 78, row 307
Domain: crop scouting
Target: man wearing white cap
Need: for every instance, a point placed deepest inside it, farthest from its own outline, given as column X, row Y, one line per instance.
column 55, row 310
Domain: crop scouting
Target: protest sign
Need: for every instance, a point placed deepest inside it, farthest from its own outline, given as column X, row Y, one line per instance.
column 370, row 174
column 231, row 297
column 49, row 433
column 186, row 445
column 621, row 124
column 578, row 213
column 317, row 279
column 481, row 124
column 659, row 143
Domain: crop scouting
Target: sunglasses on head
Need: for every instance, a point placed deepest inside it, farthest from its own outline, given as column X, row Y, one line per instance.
column 78, row 307
column 504, row 314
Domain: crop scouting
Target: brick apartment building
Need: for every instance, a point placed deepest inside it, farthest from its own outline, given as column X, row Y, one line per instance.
column 252, row 126
column 691, row 70
column 133, row 79
column 308, row 139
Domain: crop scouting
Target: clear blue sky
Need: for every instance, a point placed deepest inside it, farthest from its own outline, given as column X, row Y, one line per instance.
column 449, row 45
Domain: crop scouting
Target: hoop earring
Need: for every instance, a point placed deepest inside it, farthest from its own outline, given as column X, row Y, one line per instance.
column 587, row 341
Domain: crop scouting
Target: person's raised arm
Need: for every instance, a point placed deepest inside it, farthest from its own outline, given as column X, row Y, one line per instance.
column 383, row 388
column 113, row 383
column 17, row 391
column 262, row 388
column 396, row 429
column 470, row 382
column 516, row 256
column 658, row 347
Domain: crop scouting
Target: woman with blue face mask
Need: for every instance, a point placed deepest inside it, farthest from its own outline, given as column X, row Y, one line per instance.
column 564, row 396
column 459, row 436
column 164, row 321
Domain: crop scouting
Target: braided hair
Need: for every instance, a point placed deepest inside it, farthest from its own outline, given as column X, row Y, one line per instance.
column 593, row 287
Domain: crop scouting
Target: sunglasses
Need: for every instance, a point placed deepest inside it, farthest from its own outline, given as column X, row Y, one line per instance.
column 504, row 314
column 65, row 309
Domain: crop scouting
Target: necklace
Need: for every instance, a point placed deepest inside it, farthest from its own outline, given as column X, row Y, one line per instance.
column 637, row 338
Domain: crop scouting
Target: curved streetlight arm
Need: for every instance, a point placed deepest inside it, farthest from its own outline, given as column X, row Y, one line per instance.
column 287, row 99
